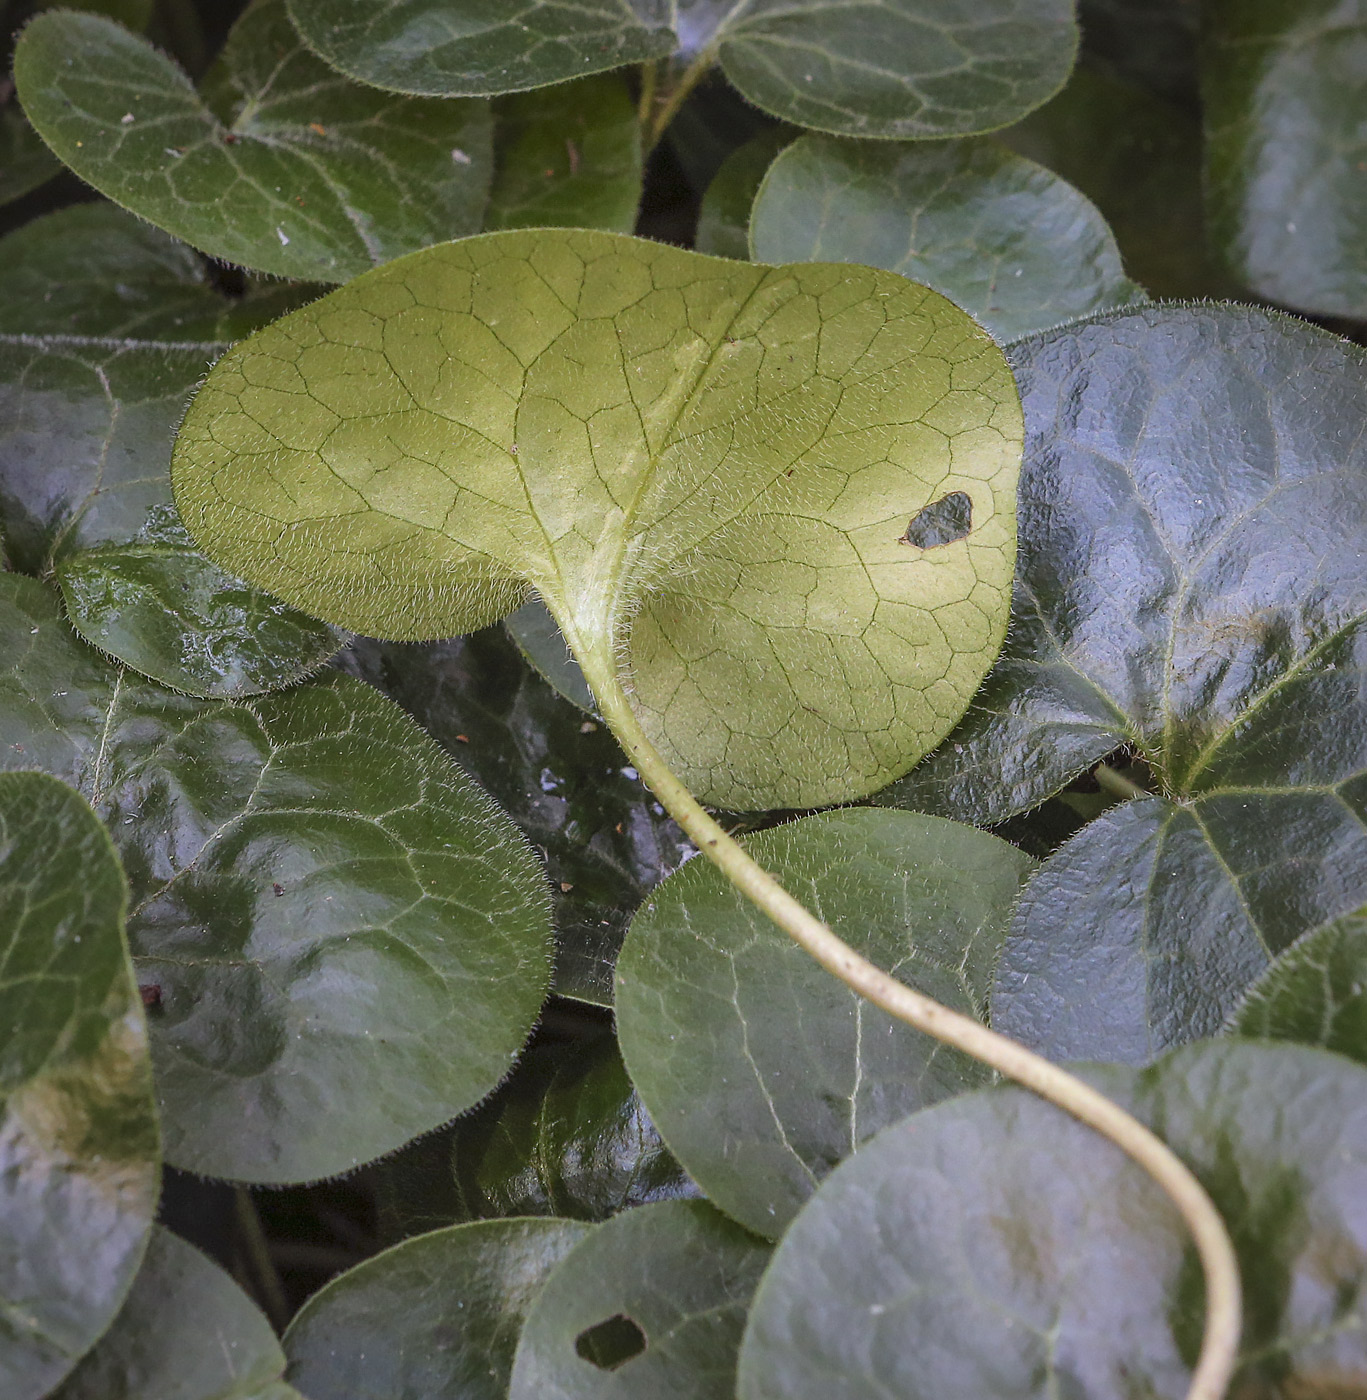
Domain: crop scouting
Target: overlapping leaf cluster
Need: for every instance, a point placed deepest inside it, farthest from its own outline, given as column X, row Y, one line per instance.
column 279, row 901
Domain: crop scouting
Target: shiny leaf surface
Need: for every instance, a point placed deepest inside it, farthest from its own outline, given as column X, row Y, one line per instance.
column 1286, row 146
column 561, row 776
column 994, row 1246
column 277, row 163
column 676, row 1277
column 349, row 939
column 1313, row 993
column 876, row 68
column 79, row 1153
column 1008, row 241
column 543, row 646
column 186, row 1332
column 1193, row 516
column 760, row 1069
column 97, row 270
column 704, row 468
column 434, row 1318
column 567, row 156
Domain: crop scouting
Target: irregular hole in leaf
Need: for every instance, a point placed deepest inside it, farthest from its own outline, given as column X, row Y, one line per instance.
column 610, row 1344
column 941, row 522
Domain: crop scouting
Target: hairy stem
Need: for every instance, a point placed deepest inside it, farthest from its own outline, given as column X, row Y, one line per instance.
column 1219, row 1347
column 645, row 108
column 1116, row 783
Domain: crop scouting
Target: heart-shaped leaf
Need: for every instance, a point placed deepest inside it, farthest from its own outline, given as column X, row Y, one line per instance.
column 434, row 1318
column 186, row 1332
column 724, row 216
column 706, row 470
column 562, row 777
column 97, row 270
column 1193, row 516
column 349, row 939
column 787, row 1071
column 277, row 163
column 85, row 493
column 1314, row 992
column 569, row 156
column 650, row 1303
column 992, row 1246
column 1137, row 157
column 1285, row 148
column 79, row 1150
column 880, row 68
column 999, row 235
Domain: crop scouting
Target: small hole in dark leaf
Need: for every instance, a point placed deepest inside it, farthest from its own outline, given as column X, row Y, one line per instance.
column 941, row 522
column 611, row 1344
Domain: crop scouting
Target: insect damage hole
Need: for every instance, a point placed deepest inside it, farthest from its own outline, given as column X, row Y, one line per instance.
column 610, row 1344
column 941, row 522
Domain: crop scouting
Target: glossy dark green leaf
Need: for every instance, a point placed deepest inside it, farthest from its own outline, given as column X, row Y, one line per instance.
column 543, row 644
column 1286, row 146
column 160, row 606
column 761, row 1070
column 559, row 774
column 1193, row 517
column 992, row 1246
column 1315, row 993
column 186, row 1332
column 671, row 1282
column 435, row 1318
column 79, row 1150
column 84, row 489
column 704, row 468
column 724, row 218
column 1137, row 157
column 97, row 270
column 878, row 68
column 277, row 163
column 567, row 156
column 349, row 938
column 1011, row 243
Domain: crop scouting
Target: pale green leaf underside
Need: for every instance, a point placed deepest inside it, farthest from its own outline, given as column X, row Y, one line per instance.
column 276, row 163
column 186, row 1332
column 706, row 469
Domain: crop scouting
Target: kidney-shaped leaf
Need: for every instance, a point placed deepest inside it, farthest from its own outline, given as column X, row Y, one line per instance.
column 186, row 1332
column 349, row 939
column 85, row 492
column 722, row 468
column 1315, row 993
column 876, row 68
column 1193, row 520
column 995, row 233
column 435, row 1318
column 762, row 1071
column 650, row 1303
column 1285, row 148
column 992, row 1246
column 79, row 1155
column 277, row 163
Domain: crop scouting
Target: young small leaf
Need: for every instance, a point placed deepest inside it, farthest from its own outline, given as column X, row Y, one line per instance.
column 992, row 1246
column 999, row 235
column 908, row 68
column 704, row 468
column 1314, row 992
column 1285, row 148
column 568, row 156
column 350, row 939
column 79, row 1150
column 435, row 1318
column 650, row 1303
column 186, row 1332
column 277, row 163
column 761, row 1071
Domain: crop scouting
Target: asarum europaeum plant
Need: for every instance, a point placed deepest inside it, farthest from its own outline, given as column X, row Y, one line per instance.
column 395, row 683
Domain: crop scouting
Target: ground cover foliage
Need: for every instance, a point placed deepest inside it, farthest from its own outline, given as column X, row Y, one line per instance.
column 949, row 422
